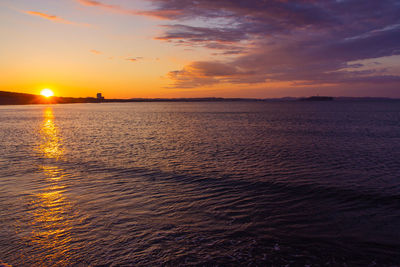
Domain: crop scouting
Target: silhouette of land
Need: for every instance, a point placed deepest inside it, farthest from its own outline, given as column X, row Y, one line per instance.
column 12, row 98
column 317, row 98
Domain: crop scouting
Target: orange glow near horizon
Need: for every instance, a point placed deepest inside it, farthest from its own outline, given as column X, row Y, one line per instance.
column 147, row 49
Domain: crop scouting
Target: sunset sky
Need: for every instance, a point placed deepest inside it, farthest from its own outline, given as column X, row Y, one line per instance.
column 201, row 48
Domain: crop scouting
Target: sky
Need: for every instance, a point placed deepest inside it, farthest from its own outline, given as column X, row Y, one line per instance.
column 201, row 48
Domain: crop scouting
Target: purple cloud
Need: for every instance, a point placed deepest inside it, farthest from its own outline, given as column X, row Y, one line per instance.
column 302, row 41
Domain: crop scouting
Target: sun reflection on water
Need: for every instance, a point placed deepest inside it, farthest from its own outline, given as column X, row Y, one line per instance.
column 50, row 224
column 51, row 145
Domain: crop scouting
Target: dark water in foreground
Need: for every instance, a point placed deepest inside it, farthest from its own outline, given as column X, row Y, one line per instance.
column 288, row 184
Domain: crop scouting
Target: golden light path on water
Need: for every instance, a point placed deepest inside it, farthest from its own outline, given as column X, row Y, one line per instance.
column 51, row 146
column 49, row 206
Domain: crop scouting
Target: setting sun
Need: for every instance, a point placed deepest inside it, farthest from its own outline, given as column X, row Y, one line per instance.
column 46, row 92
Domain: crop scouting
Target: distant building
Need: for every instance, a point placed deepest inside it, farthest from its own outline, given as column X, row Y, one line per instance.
column 99, row 96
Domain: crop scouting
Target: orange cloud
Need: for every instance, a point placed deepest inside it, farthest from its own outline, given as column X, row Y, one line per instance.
column 53, row 18
column 159, row 14
column 96, row 52
column 95, row 3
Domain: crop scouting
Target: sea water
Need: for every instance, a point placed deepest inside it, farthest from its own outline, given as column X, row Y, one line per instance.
column 214, row 183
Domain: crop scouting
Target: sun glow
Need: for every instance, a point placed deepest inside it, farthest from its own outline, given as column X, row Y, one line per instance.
column 46, row 92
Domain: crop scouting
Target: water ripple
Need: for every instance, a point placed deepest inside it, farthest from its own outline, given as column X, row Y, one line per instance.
column 283, row 184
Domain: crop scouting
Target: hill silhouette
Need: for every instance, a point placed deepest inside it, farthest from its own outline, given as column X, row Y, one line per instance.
column 11, row 98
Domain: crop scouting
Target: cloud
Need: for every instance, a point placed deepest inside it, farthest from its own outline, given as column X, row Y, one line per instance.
column 96, row 4
column 300, row 41
column 226, row 39
column 133, row 59
column 203, row 73
column 53, row 18
column 201, row 34
column 305, row 42
column 159, row 14
column 299, row 61
column 96, row 52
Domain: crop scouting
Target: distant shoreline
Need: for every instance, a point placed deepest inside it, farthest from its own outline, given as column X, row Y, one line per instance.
column 12, row 98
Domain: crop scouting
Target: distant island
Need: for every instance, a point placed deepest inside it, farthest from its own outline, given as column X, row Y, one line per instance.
column 12, row 98
column 317, row 98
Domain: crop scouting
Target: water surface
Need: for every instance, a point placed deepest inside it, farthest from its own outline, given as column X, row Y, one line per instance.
column 232, row 183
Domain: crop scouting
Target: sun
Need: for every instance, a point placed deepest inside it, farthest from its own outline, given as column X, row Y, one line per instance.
column 46, row 92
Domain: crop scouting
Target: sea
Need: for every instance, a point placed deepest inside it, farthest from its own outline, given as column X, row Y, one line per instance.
column 292, row 183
